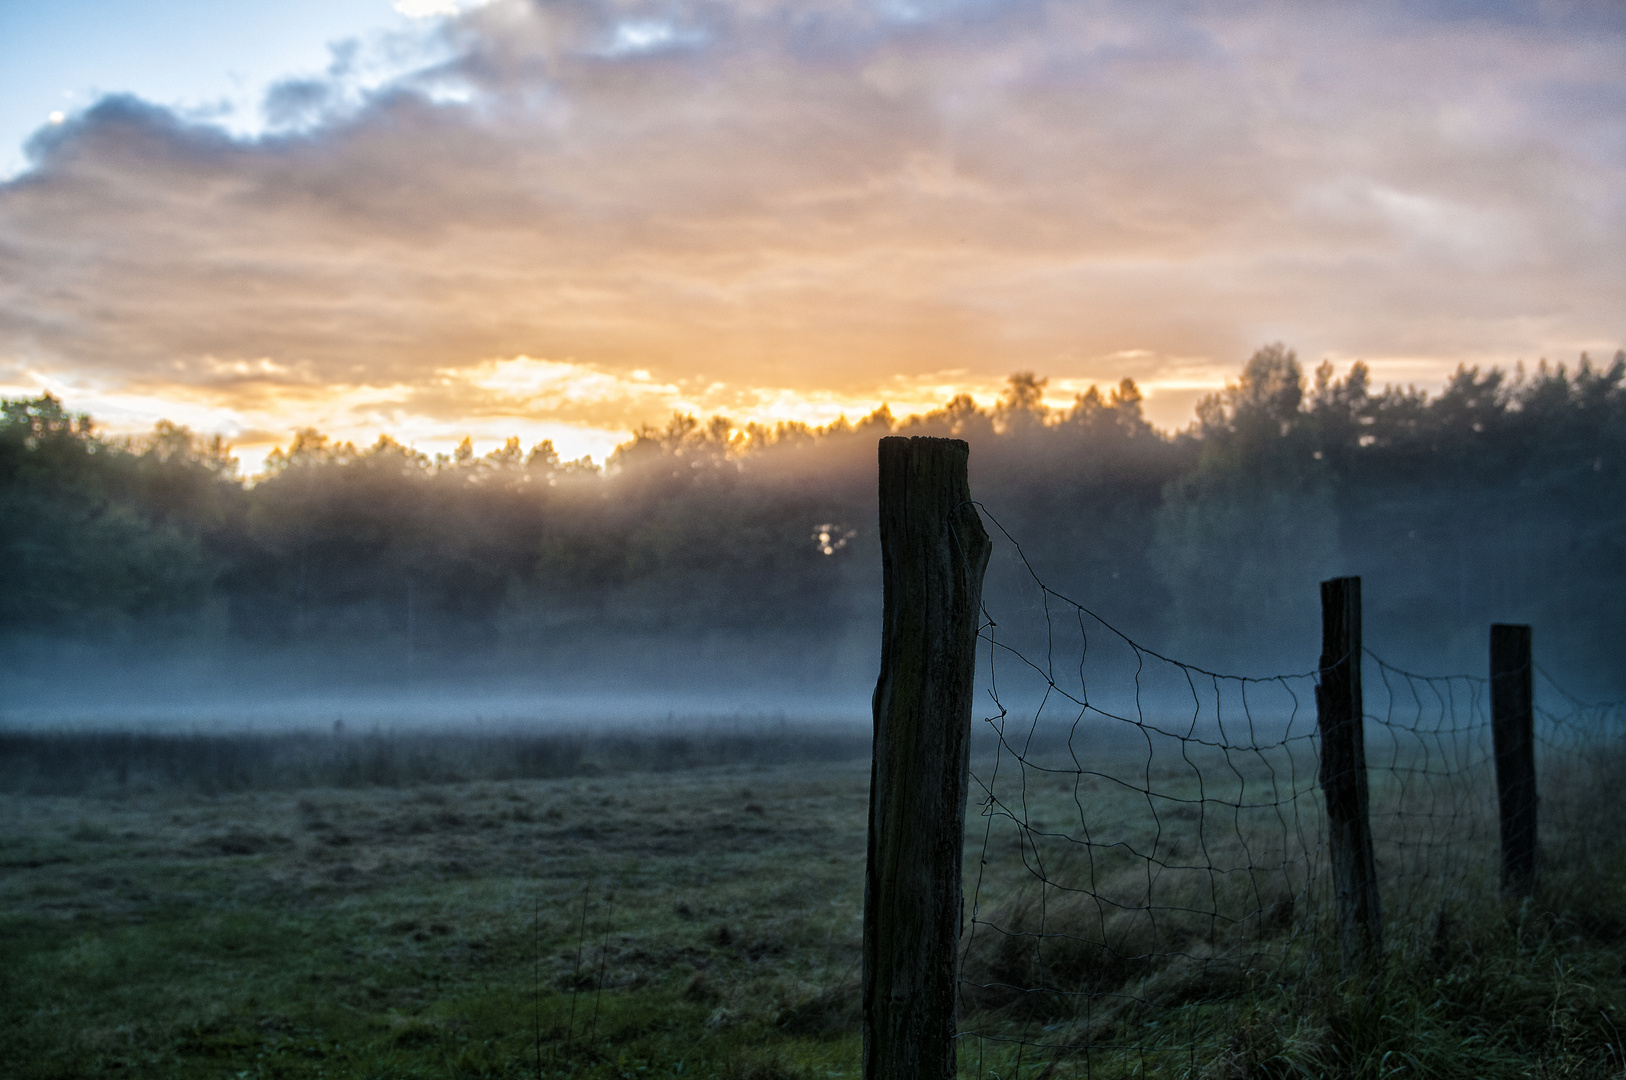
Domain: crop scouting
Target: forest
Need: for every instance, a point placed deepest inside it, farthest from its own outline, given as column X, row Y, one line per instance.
column 706, row 550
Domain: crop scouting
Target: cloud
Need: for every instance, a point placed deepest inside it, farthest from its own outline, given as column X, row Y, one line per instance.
column 792, row 204
column 431, row 9
column 297, row 101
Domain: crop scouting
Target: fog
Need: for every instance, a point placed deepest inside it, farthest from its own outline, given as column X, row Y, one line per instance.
column 713, row 575
column 726, row 684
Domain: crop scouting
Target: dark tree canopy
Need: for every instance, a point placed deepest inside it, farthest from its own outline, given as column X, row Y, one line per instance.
column 1501, row 497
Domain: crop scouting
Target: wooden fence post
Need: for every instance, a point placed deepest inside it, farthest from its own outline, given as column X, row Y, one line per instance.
column 934, row 552
column 1513, row 733
column 1339, row 713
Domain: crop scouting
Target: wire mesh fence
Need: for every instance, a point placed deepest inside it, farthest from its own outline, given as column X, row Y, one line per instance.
column 1580, row 773
column 1432, row 773
column 1146, row 840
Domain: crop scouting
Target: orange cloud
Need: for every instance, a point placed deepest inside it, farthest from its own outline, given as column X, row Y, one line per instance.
column 598, row 213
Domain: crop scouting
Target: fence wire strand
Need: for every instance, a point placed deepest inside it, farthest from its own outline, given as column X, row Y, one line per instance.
column 1146, row 836
column 1580, row 773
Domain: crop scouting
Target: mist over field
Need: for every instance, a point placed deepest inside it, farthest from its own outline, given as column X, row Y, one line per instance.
column 441, row 590
column 710, row 571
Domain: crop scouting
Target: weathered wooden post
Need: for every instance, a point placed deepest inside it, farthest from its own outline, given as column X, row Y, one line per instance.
column 934, row 552
column 1513, row 733
column 1343, row 774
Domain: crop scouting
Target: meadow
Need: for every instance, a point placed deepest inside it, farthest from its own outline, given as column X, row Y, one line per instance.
column 328, row 906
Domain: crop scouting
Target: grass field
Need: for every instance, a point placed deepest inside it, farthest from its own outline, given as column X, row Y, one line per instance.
column 654, row 914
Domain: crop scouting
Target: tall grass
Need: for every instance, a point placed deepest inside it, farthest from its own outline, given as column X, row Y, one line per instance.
column 1121, row 935
column 101, row 762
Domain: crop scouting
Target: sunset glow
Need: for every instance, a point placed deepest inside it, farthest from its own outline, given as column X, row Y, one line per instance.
column 570, row 219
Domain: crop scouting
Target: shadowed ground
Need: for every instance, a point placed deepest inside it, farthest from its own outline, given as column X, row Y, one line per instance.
column 705, row 921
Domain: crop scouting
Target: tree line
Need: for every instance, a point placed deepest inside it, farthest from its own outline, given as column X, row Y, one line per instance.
column 1503, row 496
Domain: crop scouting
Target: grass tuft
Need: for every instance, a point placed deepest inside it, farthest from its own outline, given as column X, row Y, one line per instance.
column 650, row 925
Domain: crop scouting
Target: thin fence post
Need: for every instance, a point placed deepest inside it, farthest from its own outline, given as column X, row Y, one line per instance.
column 1340, row 716
column 934, row 552
column 1513, row 732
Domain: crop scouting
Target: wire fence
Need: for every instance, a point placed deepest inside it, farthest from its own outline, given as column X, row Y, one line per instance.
column 1147, row 838
column 1580, row 769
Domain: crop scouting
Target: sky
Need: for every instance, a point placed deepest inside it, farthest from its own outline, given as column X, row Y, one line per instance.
column 564, row 218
